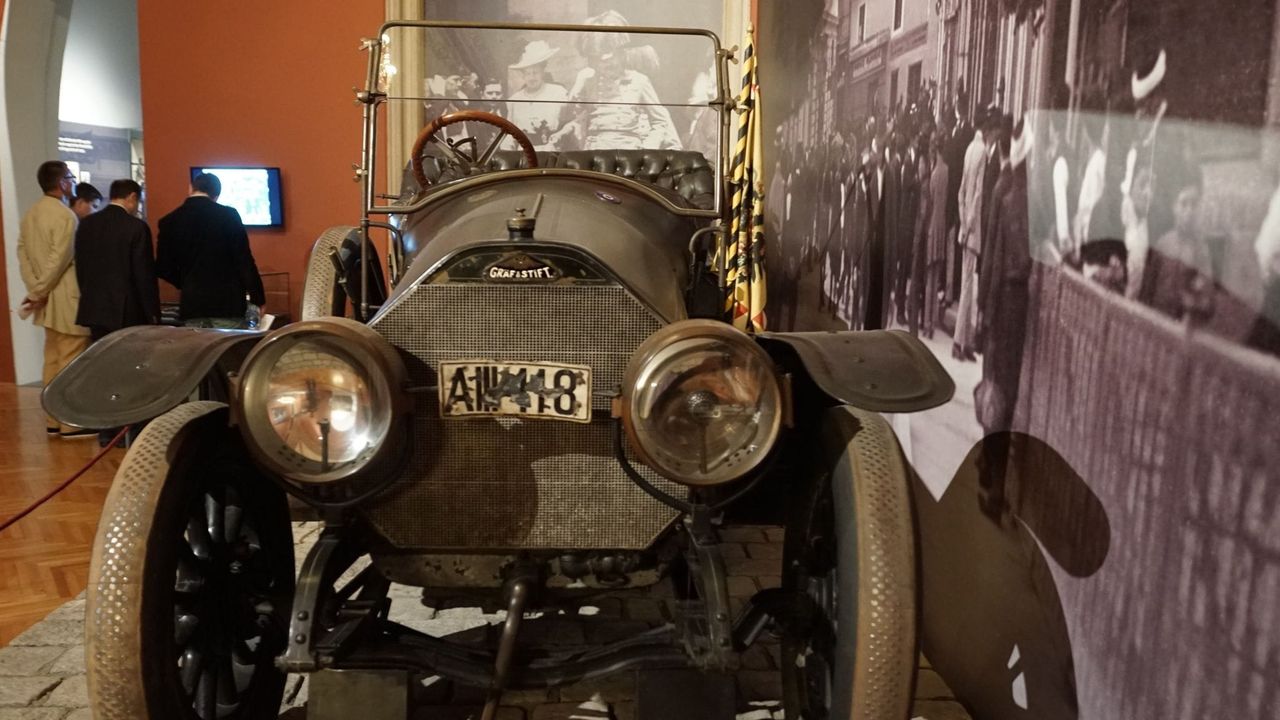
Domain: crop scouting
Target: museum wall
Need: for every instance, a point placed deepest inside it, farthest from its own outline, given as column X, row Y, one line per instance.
column 100, row 96
column 100, row 84
column 6, row 323
column 1099, row 504
column 34, row 37
column 95, row 43
column 258, row 84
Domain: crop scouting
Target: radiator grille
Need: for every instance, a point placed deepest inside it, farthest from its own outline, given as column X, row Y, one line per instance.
column 496, row 484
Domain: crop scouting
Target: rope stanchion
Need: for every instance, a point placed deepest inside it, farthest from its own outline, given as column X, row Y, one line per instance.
column 65, row 483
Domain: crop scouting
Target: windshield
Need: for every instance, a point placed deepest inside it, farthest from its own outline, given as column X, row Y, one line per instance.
column 607, row 86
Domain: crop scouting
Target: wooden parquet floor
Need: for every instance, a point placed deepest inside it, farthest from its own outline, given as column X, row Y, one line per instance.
column 44, row 558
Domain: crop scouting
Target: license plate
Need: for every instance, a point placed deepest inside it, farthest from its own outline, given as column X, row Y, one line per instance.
column 535, row 390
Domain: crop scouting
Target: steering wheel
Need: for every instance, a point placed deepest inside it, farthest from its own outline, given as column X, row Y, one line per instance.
column 455, row 155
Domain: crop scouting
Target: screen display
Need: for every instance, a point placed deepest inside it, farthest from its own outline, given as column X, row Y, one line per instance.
column 253, row 191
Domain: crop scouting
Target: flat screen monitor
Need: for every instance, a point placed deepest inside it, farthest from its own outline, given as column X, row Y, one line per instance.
column 253, row 191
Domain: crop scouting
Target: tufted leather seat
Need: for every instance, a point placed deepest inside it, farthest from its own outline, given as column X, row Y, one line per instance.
column 685, row 172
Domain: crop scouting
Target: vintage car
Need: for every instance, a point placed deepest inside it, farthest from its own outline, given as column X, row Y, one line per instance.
column 539, row 402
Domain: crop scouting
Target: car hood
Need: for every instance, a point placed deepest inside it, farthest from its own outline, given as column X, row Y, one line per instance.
column 630, row 229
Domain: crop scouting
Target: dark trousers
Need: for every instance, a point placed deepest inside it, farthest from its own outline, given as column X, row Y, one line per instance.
column 873, row 314
column 957, row 263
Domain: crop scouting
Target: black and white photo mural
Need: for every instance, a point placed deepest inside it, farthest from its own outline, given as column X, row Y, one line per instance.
column 657, row 87
column 560, row 67
column 1076, row 205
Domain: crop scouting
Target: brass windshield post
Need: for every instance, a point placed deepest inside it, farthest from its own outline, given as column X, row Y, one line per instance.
column 370, row 97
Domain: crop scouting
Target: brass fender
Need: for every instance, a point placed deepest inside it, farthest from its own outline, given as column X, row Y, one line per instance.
column 140, row 373
column 878, row 370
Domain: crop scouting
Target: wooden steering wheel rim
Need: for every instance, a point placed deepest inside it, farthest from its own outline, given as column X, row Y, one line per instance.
column 453, row 118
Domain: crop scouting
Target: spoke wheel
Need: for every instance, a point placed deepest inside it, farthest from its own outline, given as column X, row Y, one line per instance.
column 849, row 645
column 224, row 603
column 811, row 643
column 191, row 580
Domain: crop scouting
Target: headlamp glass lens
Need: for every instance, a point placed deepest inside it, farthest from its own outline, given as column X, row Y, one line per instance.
column 706, row 409
column 320, row 404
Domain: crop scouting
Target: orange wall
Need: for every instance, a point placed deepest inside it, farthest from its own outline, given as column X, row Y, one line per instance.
column 7, row 372
column 257, row 83
column 6, row 333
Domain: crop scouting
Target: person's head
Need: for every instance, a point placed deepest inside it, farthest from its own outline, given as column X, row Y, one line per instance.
column 605, row 50
column 1023, row 141
column 127, row 194
column 56, row 179
column 611, row 66
column 1119, row 98
column 453, row 86
column 492, row 89
column 1004, row 135
column 534, row 76
column 600, row 43
column 87, row 200
column 704, row 88
column 532, row 65
column 990, row 125
column 206, row 184
column 898, row 139
column 961, row 103
column 1186, row 208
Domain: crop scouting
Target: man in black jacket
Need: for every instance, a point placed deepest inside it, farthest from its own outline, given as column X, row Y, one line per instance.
column 203, row 250
column 114, row 266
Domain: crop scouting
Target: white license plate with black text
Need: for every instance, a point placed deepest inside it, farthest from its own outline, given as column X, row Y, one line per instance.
column 537, row 390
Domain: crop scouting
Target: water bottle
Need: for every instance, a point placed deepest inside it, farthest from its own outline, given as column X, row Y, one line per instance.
column 252, row 314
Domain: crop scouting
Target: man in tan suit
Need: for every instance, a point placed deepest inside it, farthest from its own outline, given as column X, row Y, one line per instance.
column 45, row 253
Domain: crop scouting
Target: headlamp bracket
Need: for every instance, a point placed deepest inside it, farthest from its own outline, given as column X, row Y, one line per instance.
column 692, row 508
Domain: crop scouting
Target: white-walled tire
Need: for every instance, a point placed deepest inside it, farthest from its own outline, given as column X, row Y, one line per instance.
column 321, row 296
column 191, row 578
column 850, row 554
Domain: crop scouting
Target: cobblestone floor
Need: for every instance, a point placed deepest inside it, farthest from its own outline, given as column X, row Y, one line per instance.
column 42, row 670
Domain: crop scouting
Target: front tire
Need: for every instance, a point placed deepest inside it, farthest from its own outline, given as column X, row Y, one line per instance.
column 191, row 578
column 321, row 295
column 849, row 650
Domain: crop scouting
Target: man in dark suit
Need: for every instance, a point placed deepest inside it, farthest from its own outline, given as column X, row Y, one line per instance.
column 998, row 135
column 891, row 203
column 873, row 261
column 908, row 208
column 203, row 250
column 114, row 266
column 958, row 141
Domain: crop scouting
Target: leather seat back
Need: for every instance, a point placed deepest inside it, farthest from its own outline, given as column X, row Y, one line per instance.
column 685, row 172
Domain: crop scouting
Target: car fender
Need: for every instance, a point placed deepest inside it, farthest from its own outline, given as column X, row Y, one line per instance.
column 877, row 370
column 140, row 373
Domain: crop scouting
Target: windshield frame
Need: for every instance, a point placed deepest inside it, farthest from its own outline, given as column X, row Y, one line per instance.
column 373, row 98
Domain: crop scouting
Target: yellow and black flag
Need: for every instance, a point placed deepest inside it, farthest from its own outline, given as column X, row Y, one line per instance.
column 745, row 252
